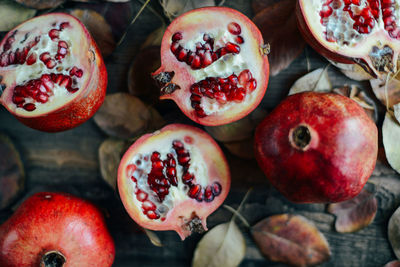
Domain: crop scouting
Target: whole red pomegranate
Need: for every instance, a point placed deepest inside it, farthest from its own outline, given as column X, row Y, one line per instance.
column 52, row 75
column 54, row 230
column 214, row 65
column 317, row 147
column 173, row 179
column 353, row 31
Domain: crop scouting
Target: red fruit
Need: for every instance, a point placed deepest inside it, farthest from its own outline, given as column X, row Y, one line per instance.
column 173, row 200
column 200, row 50
column 52, row 74
column 50, row 229
column 363, row 32
column 317, row 147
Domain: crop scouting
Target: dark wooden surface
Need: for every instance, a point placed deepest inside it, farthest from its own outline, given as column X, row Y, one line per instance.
column 68, row 162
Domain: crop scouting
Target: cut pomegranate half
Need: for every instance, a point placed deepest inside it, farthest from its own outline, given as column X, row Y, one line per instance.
column 214, row 65
column 52, row 75
column 366, row 32
column 173, row 179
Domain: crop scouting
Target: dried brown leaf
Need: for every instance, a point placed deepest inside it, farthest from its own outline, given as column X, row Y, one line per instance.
column 110, row 154
column 40, row 4
column 278, row 26
column 140, row 82
column 98, row 27
column 317, row 81
column 392, row 264
column 291, row 239
column 390, row 136
column 394, row 232
column 154, row 39
column 387, row 90
column 242, row 149
column 12, row 176
column 356, row 213
column 224, row 245
column 153, row 237
column 12, row 14
column 123, row 116
column 174, row 8
column 352, row 71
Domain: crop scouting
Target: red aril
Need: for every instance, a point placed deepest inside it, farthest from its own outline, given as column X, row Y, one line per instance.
column 213, row 65
column 173, row 179
column 353, row 31
column 56, row 230
column 52, row 76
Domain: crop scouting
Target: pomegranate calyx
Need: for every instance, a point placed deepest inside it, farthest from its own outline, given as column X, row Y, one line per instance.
column 300, row 137
column 194, row 225
column 163, row 80
column 382, row 58
column 53, row 258
column 265, row 49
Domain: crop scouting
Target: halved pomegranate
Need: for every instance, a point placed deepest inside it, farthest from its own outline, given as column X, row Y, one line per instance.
column 353, row 31
column 52, row 75
column 214, row 65
column 173, row 179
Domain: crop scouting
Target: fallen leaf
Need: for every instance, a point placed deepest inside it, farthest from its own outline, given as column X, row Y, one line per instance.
column 277, row 24
column 153, row 237
column 140, row 82
column 98, row 27
column 356, row 213
column 12, row 176
column 291, row 239
column 392, row 264
column 387, row 90
column 174, row 8
column 394, row 232
column 156, row 120
column 123, row 116
column 317, row 80
column 40, row 4
column 352, row 71
column 390, row 136
column 224, row 245
column 154, row 39
column 110, row 154
column 12, row 14
column 243, row 149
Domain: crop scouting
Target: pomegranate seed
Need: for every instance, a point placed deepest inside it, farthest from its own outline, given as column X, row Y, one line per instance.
column 182, row 54
column 177, row 36
column 194, row 191
column 174, row 47
column 244, row 76
column 234, row 28
column 239, row 39
column 177, row 144
column 251, row 85
column 196, row 63
column 216, row 188
column 206, row 37
column 64, row 25
column 72, row 90
column 11, row 58
column 195, row 98
column 356, row 2
column 200, row 112
column 389, row 20
column 208, row 194
column 207, row 60
column 155, row 156
column 148, row 205
column 232, row 48
column 44, row 57
column 326, row 11
column 190, row 57
column 31, row 59
column 195, row 89
column 200, row 195
column 187, row 178
column 387, row 12
column 240, row 93
column 141, row 195
column 152, row 215
column 42, row 98
column 220, row 97
column 53, row 34
column 366, row 13
column 66, row 81
column 18, row 99
column 29, row 107
column 387, row 3
column 233, row 79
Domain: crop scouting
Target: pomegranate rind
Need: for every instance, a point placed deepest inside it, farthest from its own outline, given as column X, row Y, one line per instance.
column 220, row 16
column 218, row 172
column 84, row 103
column 336, row 163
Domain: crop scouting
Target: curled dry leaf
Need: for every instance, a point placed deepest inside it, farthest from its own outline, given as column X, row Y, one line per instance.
column 390, row 136
column 394, row 232
column 291, row 239
column 356, row 213
column 387, row 90
column 153, row 237
column 278, row 26
column 12, row 14
column 12, row 176
column 140, row 82
column 110, row 154
column 40, row 4
column 174, row 8
column 352, row 71
column 317, row 80
column 224, row 245
column 242, row 149
column 123, row 116
column 98, row 27
column 392, row 264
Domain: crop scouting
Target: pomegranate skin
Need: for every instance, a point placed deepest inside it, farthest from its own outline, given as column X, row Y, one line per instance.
column 317, row 147
column 83, row 106
column 56, row 222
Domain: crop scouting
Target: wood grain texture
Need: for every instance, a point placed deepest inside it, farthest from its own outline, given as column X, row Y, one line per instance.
column 68, row 162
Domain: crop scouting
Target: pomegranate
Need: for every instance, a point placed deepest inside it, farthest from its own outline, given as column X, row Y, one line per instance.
column 52, row 76
column 317, row 147
column 173, row 179
column 353, row 31
column 214, row 65
column 54, row 230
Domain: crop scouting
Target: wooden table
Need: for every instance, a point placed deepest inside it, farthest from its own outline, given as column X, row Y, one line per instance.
column 68, row 162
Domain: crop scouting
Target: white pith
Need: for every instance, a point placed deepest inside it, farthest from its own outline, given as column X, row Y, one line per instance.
column 72, row 35
column 224, row 66
column 350, row 42
column 177, row 194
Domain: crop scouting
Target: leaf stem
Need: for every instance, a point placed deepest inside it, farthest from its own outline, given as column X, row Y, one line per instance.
column 236, row 213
